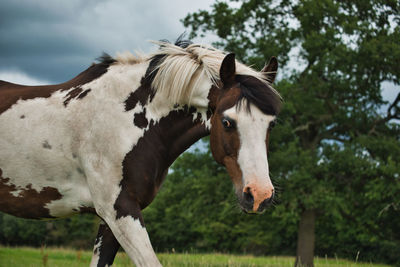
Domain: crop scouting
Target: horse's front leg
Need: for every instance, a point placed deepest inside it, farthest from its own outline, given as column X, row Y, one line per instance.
column 105, row 247
column 116, row 205
column 130, row 232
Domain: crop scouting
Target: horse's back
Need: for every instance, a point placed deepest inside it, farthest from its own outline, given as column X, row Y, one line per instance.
column 10, row 93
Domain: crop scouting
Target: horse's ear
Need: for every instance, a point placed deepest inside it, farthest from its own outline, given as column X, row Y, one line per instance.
column 270, row 69
column 228, row 69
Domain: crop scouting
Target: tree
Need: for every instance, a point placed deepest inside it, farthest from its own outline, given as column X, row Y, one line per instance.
column 77, row 231
column 346, row 50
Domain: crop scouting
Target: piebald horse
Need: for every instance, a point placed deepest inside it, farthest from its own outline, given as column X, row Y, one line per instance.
column 103, row 142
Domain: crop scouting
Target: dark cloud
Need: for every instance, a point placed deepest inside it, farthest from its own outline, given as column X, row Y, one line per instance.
column 55, row 40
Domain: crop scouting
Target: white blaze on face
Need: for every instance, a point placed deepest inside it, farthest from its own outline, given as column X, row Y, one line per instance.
column 252, row 128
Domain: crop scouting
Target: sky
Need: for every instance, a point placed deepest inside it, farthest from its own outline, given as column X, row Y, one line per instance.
column 51, row 41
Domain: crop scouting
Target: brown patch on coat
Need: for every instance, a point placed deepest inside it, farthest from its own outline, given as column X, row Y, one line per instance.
column 234, row 171
column 106, row 246
column 46, row 144
column 29, row 203
column 141, row 95
column 145, row 92
column 224, row 143
column 76, row 93
column 72, row 94
column 146, row 165
column 140, row 119
column 212, row 97
column 10, row 93
column 84, row 93
column 84, row 209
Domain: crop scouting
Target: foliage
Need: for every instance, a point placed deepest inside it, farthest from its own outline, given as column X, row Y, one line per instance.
column 77, row 231
column 335, row 152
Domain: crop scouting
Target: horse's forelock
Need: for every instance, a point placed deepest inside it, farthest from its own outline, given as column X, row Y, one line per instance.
column 260, row 94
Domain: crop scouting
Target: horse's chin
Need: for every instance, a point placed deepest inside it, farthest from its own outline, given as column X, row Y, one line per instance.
column 251, row 212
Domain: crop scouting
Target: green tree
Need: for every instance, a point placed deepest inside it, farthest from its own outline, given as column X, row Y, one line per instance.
column 77, row 231
column 346, row 50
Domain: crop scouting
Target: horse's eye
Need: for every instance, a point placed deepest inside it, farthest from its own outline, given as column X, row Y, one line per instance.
column 272, row 124
column 228, row 124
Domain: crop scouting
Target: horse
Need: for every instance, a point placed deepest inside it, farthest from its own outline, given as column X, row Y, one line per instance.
column 102, row 142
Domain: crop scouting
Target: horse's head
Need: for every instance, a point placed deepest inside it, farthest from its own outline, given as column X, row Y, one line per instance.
column 245, row 112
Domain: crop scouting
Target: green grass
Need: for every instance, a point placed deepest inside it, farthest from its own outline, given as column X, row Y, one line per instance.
column 58, row 257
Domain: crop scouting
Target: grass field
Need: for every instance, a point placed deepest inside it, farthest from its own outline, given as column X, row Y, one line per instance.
column 29, row 257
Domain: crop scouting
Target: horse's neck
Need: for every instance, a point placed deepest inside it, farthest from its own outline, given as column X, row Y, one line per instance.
column 176, row 129
column 174, row 126
column 184, row 131
column 185, row 125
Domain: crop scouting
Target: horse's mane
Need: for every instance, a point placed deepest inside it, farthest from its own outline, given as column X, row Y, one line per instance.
column 177, row 69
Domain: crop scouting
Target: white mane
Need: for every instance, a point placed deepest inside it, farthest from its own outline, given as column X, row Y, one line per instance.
column 182, row 69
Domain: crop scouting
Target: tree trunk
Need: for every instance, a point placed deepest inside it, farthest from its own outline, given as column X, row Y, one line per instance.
column 306, row 240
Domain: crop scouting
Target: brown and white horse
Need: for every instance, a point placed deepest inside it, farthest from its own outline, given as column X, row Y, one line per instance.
column 103, row 141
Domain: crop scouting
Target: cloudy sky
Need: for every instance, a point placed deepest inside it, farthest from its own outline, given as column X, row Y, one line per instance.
column 51, row 41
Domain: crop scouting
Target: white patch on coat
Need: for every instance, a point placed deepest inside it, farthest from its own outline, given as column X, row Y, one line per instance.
column 16, row 193
column 96, row 253
column 252, row 155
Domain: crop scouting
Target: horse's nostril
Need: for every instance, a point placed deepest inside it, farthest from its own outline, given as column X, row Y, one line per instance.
column 267, row 202
column 248, row 197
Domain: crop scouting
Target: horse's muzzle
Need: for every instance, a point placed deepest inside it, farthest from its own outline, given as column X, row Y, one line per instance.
column 248, row 206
